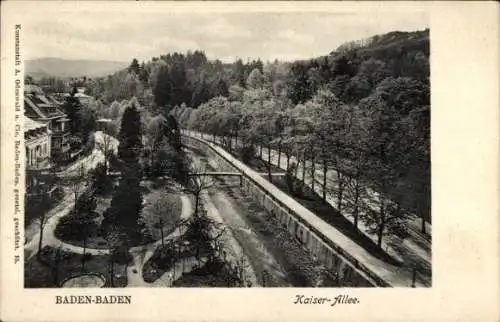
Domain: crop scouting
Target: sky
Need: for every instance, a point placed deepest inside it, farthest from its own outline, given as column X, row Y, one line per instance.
column 142, row 30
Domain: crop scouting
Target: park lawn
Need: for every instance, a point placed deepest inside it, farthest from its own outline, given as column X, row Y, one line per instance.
column 38, row 275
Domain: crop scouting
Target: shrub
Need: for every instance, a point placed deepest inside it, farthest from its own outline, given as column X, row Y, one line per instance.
column 86, row 203
column 68, row 227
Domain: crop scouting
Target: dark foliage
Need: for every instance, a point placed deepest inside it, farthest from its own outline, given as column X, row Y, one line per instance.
column 126, row 206
column 130, row 147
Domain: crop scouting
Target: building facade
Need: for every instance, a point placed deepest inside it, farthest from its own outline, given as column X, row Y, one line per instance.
column 37, row 142
column 43, row 109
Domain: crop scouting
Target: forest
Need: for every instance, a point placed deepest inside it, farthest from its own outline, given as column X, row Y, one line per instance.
column 363, row 110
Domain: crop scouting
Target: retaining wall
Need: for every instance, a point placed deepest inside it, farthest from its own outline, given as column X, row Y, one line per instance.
column 290, row 214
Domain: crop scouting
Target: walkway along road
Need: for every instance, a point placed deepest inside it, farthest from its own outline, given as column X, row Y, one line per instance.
column 396, row 276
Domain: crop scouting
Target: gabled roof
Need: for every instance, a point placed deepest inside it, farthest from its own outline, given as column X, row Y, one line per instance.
column 54, row 100
column 30, row 124
column 41, row 106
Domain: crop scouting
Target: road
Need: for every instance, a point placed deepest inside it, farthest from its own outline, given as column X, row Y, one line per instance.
column 414, row 250
column 249, row 236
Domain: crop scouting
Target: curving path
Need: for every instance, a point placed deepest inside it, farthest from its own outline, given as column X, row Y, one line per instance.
column 141, row 254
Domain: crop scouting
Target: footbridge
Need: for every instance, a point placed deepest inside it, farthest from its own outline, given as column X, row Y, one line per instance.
column 234, row 174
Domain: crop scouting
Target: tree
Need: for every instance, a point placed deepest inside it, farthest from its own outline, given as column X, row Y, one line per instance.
column 115, row 239
column 80, row 226
column 357, row 146
column 170, row 162
column 77, row 182
column 374, row 70
column 154, row 136
column 333, row 126
column 56, row 259
column 298, row 83
column 126, row 205
column 201, row 92
column 178, row 81
column 220, row 88
column 134, row 67
column 239, row 73
column 164, row 87
column 235, row 93
column 388, row 157
column 101, row 183
column 197, row 184
column 86, row 203
column 105, row 144
column 41, row 221
column 255, row 79
column 72, row 108
column 159, row 214
column 130, row 137
column 203, row 233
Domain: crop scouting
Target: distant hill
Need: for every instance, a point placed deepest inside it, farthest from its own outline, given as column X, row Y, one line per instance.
column 71, row 68
column 381, row 46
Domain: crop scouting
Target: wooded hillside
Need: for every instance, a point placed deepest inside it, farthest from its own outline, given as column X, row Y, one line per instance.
column 363, row 109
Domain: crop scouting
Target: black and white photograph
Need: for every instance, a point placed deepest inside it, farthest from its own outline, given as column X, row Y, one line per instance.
column 250, row 150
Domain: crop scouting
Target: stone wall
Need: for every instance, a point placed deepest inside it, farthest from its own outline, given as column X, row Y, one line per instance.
column 334, row 258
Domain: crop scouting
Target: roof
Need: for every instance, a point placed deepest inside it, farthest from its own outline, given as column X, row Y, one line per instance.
column 81, row 95
column 54, row 100
column 30, row 88
column 38, row 106
column 30, row 124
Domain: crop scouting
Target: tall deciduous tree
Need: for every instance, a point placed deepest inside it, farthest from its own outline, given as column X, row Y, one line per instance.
column 161, row 214
column 388, row 159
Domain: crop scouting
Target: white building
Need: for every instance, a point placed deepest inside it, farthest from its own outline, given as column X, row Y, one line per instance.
column 37, row 138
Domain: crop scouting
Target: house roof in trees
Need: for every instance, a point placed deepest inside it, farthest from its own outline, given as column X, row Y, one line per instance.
column 30, row 124
column 38, row 106
column 54, row 100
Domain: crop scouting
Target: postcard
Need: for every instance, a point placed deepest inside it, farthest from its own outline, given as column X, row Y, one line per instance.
column 252, row 161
